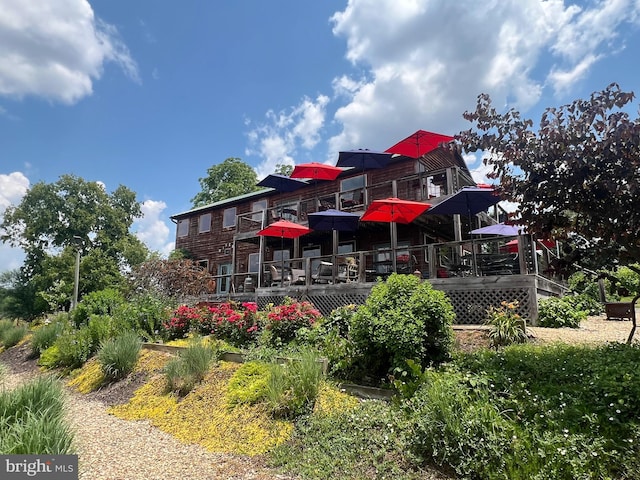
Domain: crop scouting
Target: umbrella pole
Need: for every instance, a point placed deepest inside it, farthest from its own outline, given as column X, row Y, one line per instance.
column 394, row 245
column 282, row 261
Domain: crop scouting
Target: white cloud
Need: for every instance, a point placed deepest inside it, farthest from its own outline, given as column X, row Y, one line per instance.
column 151, row 229
column 12, row 188
column 55, row 49
column 426, row 62
column 283, row 134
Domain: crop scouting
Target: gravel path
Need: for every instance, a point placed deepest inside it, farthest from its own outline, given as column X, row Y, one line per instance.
column 113, row 449
column 110, row 448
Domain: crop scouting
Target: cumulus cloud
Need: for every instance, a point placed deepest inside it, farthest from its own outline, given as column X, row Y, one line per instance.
column 55, row 49
column 278, row 138
column 421, row 64
column 151, row 229
column 425, row 62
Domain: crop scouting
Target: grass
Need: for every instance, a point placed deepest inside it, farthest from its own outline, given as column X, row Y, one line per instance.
column 189, row 368
column 118, row 356
column 11, row 334
column 32, row 419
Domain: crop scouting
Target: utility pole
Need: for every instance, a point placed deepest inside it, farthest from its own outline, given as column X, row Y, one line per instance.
column 78, row 242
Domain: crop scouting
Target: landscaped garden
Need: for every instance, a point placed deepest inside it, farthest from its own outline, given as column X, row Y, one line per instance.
column 513, row 409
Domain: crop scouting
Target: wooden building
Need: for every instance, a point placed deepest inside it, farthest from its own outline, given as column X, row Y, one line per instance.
column 332, row 268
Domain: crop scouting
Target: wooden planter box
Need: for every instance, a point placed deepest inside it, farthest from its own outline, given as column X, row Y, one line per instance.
column 619, row 310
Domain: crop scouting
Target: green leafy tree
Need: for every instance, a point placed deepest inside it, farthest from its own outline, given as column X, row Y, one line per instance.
column 284, row 169
column 54, row 220
column 228, row 179
column 579, row 173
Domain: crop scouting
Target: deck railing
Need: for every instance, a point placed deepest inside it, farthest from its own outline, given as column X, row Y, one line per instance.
column 468, row 258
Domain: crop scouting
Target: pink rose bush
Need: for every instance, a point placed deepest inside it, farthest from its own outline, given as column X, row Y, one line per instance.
column 283, row 321
column 231, row 322
column 179, row 325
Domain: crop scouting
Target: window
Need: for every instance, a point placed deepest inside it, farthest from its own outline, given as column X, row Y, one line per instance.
column 229, row 218
column 224, row 281
column 204, row 264
column 352, row 192
column 347, row 247
column 312, row 251
column 183, row 227
column 254, row 262
column 204, row 223
column 352, row 183
column 286, row 211
column 258, row 207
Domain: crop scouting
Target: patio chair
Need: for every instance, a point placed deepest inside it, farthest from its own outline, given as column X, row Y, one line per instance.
column 324, row 273
column 276, row 277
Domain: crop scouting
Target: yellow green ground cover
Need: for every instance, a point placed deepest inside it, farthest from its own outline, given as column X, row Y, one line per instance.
column 205, row 416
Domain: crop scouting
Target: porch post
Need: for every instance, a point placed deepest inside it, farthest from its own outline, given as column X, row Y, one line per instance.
column 431, row 255
column 521, row 257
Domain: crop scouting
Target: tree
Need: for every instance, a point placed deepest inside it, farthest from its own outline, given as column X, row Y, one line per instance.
column 579, row 174
column 228, row 179
column 284, row 169
column 53, row 220
column 174, row 278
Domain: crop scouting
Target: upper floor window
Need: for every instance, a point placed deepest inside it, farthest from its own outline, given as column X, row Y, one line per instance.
column 352, row 192
column 204, row 223
column 183, row 227
column 286, row 211
column 229, row 218
column 258, row 207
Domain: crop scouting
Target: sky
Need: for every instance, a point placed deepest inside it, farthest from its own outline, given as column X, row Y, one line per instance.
column 150, row 94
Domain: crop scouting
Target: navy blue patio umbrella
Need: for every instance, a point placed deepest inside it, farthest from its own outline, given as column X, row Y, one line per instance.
column 363, row 159
column 282, row 183
column 467, row 201
column 334, row 220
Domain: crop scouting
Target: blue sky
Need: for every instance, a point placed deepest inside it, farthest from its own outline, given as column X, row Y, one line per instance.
column 150, row 94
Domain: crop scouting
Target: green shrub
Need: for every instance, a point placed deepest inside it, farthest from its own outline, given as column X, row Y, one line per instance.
column 12, row 336
column 293, row 387
column 403, row 318
column 331, row 337
column 101, row 328
column 50, row 357
column 73, row 349
column 585, row 303
column 103, row 302
column 366, row 441
column 45, row 336
column 145, row 313
column 629, row 280
column 32, row 419
column 248, row 384
column 506, row 327
column 557, row 312
column 454, row 424
column 5, row 326
column 190, row 367
column 118, row 356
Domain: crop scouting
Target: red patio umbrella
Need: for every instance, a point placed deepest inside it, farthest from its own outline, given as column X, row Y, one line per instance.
column 394, row 210
column 419, row 143
column 284, row 229
column 316, row 171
